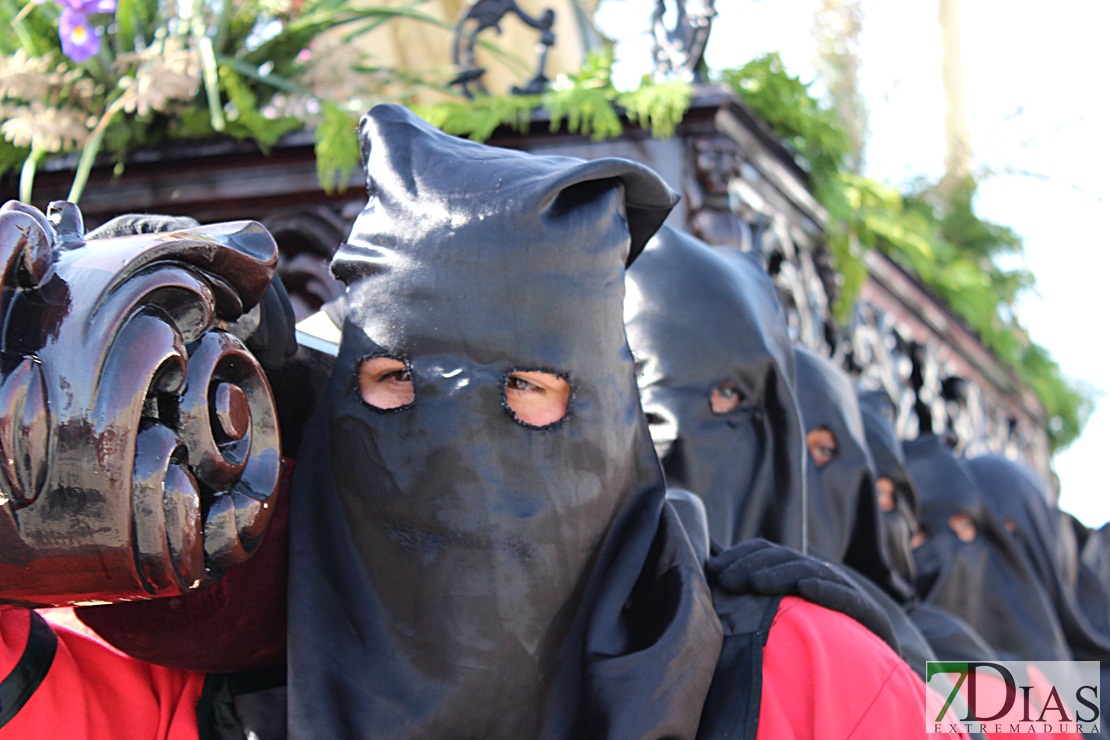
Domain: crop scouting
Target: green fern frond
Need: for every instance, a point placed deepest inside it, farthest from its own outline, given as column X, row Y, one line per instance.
column 337, row 149
column 479, row 118
column 585, row 110
column 659, row 107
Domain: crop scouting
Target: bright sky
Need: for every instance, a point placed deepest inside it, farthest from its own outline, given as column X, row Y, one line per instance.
column 1038, row 108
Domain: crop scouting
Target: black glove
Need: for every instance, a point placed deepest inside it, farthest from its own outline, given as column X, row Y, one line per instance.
column 274, row 338
column 760, row 567
column 267, row 331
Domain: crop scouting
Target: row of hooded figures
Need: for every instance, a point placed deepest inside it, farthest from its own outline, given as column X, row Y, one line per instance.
column 558, row 483
column 725, row 207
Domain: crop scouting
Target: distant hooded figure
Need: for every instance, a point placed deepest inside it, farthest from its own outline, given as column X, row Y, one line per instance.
column 1094, row 550
column 843, row 509
column 970, row 566
column 717, row 383
column 950, row 637
column 716, row 374
column 896, row 494
column 1091, row 556
column 844, row 523
column 1016, row 496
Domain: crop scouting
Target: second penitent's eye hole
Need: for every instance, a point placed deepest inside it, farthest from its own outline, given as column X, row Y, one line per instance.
column 385, row 383
column 725, row 397
column 822, row 445
column 536, row 398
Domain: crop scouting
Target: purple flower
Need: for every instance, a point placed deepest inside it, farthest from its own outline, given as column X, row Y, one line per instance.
column 80, row 40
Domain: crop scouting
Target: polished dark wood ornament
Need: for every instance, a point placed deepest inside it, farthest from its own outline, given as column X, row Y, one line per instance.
column 138, row 435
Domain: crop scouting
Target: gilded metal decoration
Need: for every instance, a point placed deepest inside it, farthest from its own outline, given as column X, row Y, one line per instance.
column 679, row 48
column 139, row 439
column 487, row 14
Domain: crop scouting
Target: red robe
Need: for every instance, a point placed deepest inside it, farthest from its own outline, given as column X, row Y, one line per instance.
column 94, row 691
column 826, row 676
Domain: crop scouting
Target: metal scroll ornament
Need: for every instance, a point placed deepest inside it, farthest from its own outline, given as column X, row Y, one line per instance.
column 486, row 14
column 139, row 439
column 678, row 49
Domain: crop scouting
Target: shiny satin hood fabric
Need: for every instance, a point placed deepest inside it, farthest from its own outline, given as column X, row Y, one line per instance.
column 899, row 524
column 455, row 572
column 985, row 582
column 1092, row 558
column 1094, row 550
column 1015, row 495
column 697, row 317
column 843, row 514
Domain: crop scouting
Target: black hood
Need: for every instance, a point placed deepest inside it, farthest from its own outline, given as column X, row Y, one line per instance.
column 986, row 581
column 1015, row 495
column 1094, row 550
column 1092, row 568
column 899, row 524
column 455, row 572
column 697, row 317
column 842, row 510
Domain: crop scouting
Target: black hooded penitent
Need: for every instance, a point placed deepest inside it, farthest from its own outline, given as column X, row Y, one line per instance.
column 454, row 572
column 986, row 581
column 949, row 636
column 900, row 523
column 701, row 318
column 842, row 509
column 1089, row 551
column 1017, row 496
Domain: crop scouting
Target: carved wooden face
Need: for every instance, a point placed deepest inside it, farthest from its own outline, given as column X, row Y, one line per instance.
column 717, row 162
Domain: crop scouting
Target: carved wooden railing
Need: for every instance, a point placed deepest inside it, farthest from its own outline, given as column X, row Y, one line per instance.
column 139, row 442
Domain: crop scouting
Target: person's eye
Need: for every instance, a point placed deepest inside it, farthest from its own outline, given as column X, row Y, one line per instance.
column 403, row 375
column 822, row 445
column 385, row 383
column 517, row 383
column 536, row 398
column 725, row 397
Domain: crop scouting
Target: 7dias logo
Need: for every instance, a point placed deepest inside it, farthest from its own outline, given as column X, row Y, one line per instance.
column 1012, row 697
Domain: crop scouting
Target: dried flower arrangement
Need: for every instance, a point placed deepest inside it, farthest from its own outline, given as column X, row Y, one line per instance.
column 97, row 77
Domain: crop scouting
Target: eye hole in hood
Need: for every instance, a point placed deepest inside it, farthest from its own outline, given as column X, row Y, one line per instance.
column 822, row 445
column 725, row 397
column 385, row 383
column 536, row 398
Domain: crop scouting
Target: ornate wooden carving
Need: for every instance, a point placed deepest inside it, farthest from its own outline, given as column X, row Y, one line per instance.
column 139, row 439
